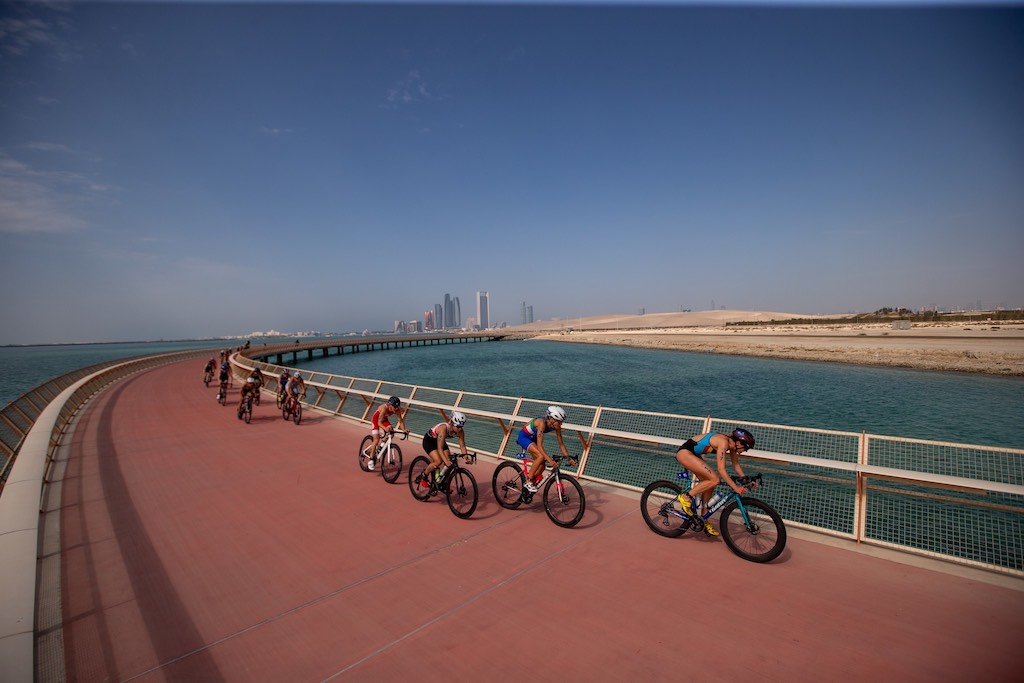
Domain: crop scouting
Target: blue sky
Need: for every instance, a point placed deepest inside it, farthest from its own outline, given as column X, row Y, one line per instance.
column 187, row 170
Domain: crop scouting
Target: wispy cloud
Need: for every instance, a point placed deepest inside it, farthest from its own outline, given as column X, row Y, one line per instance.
column 18, row 35
column 267, row 130
column 412, row 88
column 37, row 201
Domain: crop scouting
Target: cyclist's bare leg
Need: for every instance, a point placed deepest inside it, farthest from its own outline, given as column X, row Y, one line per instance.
column 537, row 467
column 709, row 479
column 435, row 462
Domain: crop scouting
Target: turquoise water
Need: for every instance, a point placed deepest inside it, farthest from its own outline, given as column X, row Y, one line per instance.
column 927, row 405
column 25, row 367
column 910, row 403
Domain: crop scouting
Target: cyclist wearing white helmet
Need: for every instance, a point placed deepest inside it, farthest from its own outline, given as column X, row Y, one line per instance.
column 435, row 443
column 296, row 388
column 250, row 388
column 690, row 455
column 380, row 421
column 531, row 439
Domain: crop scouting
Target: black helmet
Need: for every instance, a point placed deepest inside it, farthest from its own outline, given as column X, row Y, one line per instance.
column 394, row 401
column 744, row 437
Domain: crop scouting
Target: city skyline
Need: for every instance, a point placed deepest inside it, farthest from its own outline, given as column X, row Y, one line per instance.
column 160, row 163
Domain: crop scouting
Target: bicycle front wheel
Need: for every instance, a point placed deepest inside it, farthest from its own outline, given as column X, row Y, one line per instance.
column 507, row 484
column 564, row 500
column 391, row 464
column 761, row 539
column 462, row 493
column 297, row 413
column 420, row 488
column 659, row 505
column 247, row 416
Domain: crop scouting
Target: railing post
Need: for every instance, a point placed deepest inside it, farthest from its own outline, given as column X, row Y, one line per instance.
column 861, row 500
column 590, row 441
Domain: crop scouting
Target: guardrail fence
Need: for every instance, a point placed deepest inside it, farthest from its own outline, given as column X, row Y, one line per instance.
column 959, row 502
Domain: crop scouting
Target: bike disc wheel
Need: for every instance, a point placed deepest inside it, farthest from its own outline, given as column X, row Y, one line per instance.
column 564, row 500
column 418, row 490
column 659, row 505
column 765, row 537
column 507, row 484
column 391, row 464
column 462, row 493
column 364, row 453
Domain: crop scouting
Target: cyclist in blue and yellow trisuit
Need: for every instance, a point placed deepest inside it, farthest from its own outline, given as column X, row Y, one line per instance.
column 531, row 439
column 689, row 456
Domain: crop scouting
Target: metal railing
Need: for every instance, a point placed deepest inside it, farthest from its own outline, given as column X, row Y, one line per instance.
column 958, row 502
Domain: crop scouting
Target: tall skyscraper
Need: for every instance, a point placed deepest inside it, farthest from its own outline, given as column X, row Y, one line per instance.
column 438, row 317
column 449, row 311
column 458, row 314
column 526, row 313
column 428, row 320
column 483, row 310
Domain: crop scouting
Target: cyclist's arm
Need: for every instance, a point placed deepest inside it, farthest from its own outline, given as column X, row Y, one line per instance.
column 561, row 443
column 399, row 413
column 724, row 473
column 462, row 442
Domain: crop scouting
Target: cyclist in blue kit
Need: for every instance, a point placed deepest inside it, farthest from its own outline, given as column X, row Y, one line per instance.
column 531, row 440
column 690, row 455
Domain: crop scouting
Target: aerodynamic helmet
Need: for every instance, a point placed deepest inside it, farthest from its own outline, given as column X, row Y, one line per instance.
column 458, row 419
column 556, row 413
column 744, row 437
column 394, row 401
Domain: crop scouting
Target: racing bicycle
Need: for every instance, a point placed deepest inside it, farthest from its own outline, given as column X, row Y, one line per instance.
column 751, row 528
column 388, row 455
column 292, row 408
column 564, row 500
column 245, row 412
column 457, row 483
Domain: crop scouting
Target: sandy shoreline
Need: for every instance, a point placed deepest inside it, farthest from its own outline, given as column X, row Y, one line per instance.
column 993, row 349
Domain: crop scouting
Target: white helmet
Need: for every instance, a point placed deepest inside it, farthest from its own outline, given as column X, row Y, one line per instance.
column 556, row 413
column 458, row 419
column 251, row 380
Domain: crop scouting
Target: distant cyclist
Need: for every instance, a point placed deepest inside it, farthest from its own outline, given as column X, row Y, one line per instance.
column 531, row 439
column 689, row 456
column 435, row 443
column 224, row 376
column 250, row 388
column 282, row 386
column 296, row 389
column 380, row 421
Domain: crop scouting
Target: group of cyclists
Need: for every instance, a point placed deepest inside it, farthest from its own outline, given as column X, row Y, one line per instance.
column 531, row 439
column 292, row 389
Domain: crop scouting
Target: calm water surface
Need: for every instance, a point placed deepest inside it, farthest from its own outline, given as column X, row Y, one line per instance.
column 928, row 405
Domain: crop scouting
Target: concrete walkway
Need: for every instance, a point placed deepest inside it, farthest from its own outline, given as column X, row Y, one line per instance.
column 195, row 547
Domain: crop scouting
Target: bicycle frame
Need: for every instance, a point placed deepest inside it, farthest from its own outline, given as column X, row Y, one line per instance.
column 556, row 472
column 718, row 504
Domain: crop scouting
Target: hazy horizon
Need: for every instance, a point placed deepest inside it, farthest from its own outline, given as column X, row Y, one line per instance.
column 193, row 170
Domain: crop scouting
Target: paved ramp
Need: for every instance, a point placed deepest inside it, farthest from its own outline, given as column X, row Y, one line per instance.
column 198, row 548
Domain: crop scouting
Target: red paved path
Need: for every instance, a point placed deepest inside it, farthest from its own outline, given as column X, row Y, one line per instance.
column 198, row 548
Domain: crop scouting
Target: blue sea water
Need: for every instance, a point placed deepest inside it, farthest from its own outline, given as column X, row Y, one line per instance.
column 927, row 405
column 25, row 367
column 965, row 408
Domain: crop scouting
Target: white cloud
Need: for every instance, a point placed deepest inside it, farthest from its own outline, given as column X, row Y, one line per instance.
column 412, row 88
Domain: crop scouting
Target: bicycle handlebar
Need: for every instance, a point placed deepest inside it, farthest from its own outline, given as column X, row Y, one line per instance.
column 749, row 481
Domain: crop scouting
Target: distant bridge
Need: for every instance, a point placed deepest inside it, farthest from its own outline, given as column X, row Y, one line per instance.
column 337, row 346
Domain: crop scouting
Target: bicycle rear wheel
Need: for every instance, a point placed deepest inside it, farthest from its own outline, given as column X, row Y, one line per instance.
column 462, row 493
column 391, row 464
column 364, row 453
column 762, row 540
column 661, row 511
column 420, row 489
column 564, row 500
column 507, row 484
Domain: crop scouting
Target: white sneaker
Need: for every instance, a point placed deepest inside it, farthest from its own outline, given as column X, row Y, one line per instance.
column 531, row 487
column 370, row 464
